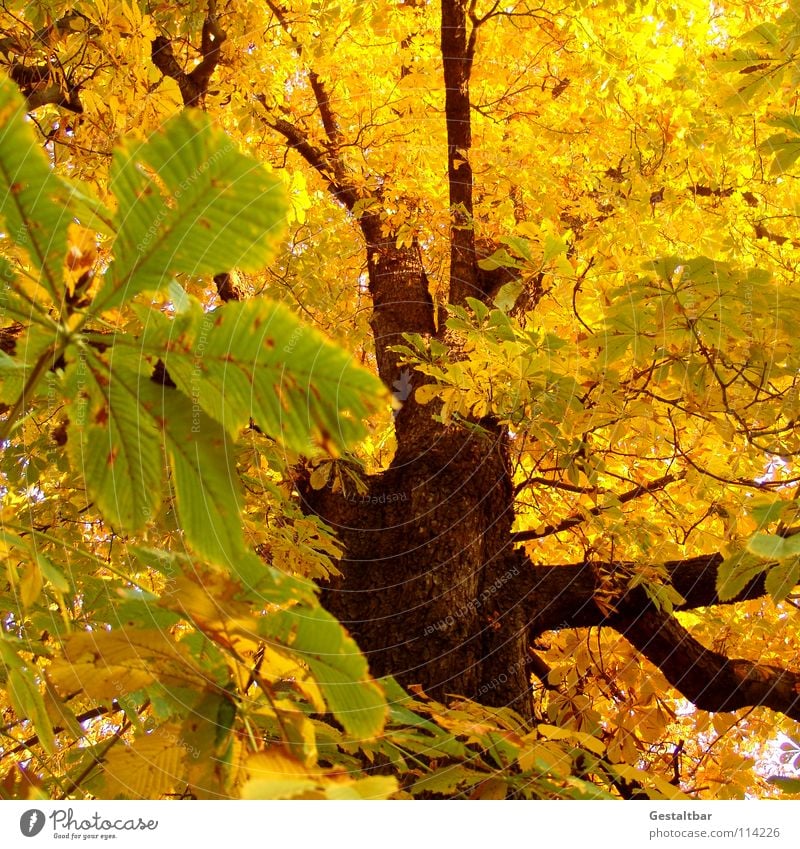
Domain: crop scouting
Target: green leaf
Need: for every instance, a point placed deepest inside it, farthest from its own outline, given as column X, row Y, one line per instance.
column 113, row 441
column 28, row 703
column 31, row 345
column 13, row 305
column 790, row 122
column 613, row 345
column 785, row 156
column 120, row 424
column 501, row 258
column 256, row 360
column 782, row 578
column 774, row 547
column 788, row 785
column 447, row 779
column 479, row 308
column 553, row 246
column 188, row 202
column 54, row 575
column 336, row 663
column 32, row 199
column 763, row 34
column 12, row 378
column 735, row 573
column 522, row 246
column 507, row 295
column 767, row 512
column 206, row 483
column 502, row 326
column 785, row 148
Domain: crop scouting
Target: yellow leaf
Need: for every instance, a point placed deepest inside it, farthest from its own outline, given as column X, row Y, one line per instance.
column 275, row 774
column 553, row 732
column 153, row 765
column 662, row 788
column 107, row 664
column 30, row 585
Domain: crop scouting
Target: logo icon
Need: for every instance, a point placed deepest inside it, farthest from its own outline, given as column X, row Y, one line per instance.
column 31, row 822
column 402, row 388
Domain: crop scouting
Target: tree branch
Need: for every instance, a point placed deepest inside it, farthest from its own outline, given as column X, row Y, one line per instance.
column 559, row 597
column 40, row 87
column 194, row 85
column 710, row 680
column 577, row 518
column 92, row 713
column 326, row 113
column 562, row 596
column 457, row 55
column 320, row 160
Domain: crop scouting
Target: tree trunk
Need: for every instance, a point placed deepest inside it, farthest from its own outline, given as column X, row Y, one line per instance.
column 429, row 547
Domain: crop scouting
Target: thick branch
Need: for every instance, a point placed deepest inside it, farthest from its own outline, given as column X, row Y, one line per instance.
column 319, row 160
column 39, row 86
column 710, row 680
column 397, row 281
column 194, row 85
column 556, row 597
column 326, row 113
column 210, row 47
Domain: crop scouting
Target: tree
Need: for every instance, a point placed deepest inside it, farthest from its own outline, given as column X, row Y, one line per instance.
column 561, row 239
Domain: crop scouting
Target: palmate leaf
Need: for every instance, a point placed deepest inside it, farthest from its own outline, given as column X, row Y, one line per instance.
column 188, row 201
column 32, row 198
column 336, row 663
column 736, row 572
column 256, row 360
column 120, row 423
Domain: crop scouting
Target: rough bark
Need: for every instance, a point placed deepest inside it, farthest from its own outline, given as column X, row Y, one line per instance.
column 401, row 302
column 428, row 548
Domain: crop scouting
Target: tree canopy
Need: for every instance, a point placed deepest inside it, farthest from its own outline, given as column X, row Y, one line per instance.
column 399, row 399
